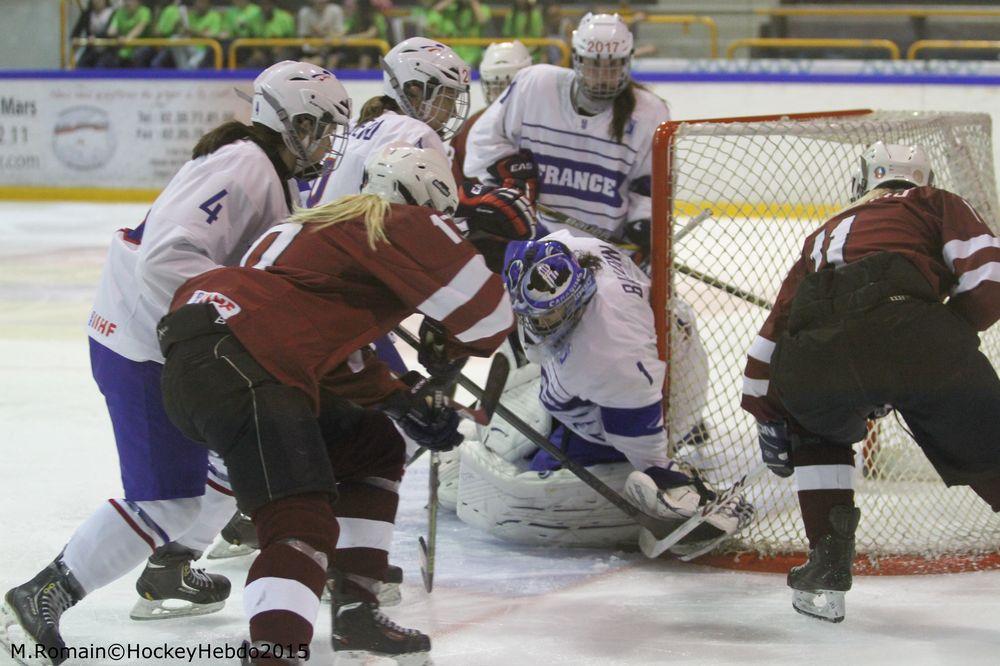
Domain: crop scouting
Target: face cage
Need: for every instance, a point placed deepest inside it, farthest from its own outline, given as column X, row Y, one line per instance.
column 444, row 99
column 324, row 130
column 602, row 78
column 494, row 88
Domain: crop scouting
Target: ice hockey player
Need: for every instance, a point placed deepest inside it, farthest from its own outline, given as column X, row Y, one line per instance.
column 859, row 328
column 425, row 102
column 248, row 348
column 240, row 182
column 580, row 137
column 584, row 317
column 501, row 61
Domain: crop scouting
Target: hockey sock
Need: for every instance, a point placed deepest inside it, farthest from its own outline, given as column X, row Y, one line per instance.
column 989, row 490
column 824, row 476
column 366, row 512
column 121, row 534
column 297, row 534
column 217, row 507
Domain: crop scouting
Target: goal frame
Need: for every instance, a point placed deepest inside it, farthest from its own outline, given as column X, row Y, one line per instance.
column 661, row 267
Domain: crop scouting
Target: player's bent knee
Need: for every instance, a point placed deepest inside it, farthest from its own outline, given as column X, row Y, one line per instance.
column 307, row 517
column 281, row 453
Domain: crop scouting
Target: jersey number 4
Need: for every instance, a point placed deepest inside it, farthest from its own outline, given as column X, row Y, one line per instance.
column 212, row 206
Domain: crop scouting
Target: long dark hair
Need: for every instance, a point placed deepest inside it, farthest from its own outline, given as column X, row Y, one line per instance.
column 376, row 106
column 623, row 107
column 232, row 131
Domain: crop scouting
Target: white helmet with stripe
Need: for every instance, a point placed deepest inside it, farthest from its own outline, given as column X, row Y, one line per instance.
column 883, row 163
column 307, row 106
column 404, row 174
column 501, row 61
column 602, row 55
column 430, row 82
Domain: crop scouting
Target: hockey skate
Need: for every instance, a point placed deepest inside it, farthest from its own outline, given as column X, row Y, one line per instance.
column 361, row 631
column 238, row 538
column 818, row 586
column 36, row 607
column 703, row 518
column 170, row 587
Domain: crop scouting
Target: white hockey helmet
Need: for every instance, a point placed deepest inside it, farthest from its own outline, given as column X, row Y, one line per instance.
column 602, row 55
column 404, row 174
column 287, row 94
column 430, row 82
column 501, row 61
column 883, row 163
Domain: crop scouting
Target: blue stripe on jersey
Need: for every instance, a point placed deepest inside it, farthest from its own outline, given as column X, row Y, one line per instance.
column 580, row 180
column 633, row 421
column 576, row 150
column 580, row 134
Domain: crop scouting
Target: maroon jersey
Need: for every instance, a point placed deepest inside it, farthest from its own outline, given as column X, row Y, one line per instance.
column 306, row 298
column 938, row 232
column 458, row 147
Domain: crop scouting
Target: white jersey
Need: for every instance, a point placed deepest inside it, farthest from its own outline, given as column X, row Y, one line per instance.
column 362, row 142
column 582, row 171
column 208, row 215
column 606, row 383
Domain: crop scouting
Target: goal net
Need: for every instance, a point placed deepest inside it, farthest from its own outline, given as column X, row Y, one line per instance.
column 740, row 195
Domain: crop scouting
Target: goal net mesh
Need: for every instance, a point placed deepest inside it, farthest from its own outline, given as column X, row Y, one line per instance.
column 758, row 189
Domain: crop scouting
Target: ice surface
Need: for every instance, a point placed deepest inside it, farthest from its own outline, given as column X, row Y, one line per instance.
column 493, row 603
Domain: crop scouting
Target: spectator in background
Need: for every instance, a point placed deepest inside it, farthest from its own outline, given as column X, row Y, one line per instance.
column 525, row 19
column 169, row 19
column 459, row 18
column 243, row 19
column 276, row 23
column 94, row 23
column 203, row 21
column 131, row 21
column 365, row 22
column 321, row 19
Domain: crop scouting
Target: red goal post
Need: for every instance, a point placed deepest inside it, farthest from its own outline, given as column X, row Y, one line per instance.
column 745, row 191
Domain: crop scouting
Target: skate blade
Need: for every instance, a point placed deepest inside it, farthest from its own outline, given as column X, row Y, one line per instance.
column 12, row 646
column 367, row 658
column 224, row 550
column 166, row 609
column 826, row 605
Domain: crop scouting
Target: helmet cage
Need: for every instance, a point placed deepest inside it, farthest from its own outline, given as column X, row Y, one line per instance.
column 602, row 77
column 323, row 128
column 437, row 99
column 494, row 86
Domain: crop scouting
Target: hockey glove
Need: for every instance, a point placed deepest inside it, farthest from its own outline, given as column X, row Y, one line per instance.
column 433, row 352
column 421, row 414
column 518, row 171
column 499, row 211
column 775, row 447
column 636, row 232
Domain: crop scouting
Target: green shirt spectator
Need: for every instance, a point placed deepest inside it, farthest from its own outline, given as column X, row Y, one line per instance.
column 277, row 23
column 168, row 23
column 459, row 18
column 243, row 19
column 525, row 19
column 203, row 21
column 131, row 21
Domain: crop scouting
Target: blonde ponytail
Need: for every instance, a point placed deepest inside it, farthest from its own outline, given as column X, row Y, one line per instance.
column 374, row 208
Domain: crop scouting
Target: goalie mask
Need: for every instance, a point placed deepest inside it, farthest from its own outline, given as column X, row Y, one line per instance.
column 308, row 107
column 501, row 61
column 885, row 163
column 602, row 56
column 404, row 174
column 549, row 290
column 429, row 82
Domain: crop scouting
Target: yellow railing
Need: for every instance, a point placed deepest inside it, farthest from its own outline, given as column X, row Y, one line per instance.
column 936, row 44
column 687, row 21
column 841, row 12
column 802, row 43
column 153, row 42
column 238, row 44
column 527, row 41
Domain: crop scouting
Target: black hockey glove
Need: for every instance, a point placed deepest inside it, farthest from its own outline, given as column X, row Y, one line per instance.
column 637, row 232
column 518, row 171
column 433, row 352
column 421, row 414
column 775, row 447
column 498, row 211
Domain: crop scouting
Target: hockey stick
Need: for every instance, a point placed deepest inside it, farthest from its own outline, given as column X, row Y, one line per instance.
column 428, row 547
column 607, row 236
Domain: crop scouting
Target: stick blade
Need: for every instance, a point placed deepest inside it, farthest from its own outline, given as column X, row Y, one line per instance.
column 426, row 570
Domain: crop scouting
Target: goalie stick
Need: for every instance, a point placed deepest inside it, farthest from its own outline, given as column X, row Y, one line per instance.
column 605, row 235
